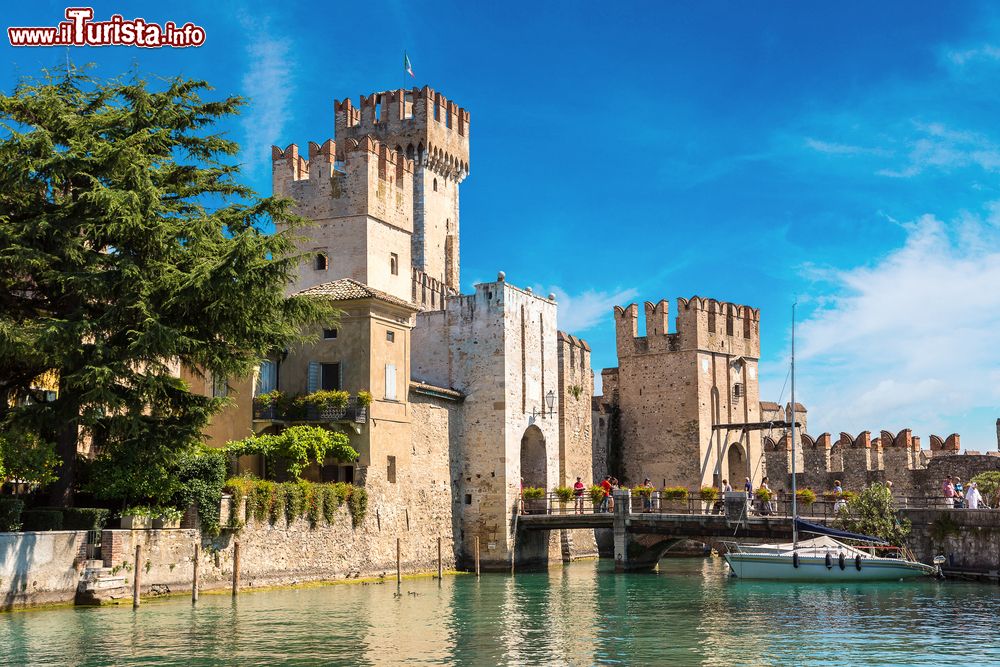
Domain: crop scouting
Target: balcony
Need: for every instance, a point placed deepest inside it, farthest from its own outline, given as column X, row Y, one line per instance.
column 354, row 411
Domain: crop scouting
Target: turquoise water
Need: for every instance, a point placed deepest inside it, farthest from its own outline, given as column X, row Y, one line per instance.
column 688, row 614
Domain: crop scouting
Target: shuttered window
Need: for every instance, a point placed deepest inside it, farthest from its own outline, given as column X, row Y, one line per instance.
column 390, row 382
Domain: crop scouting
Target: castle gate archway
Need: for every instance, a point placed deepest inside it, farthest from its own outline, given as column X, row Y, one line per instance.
column 736, row 465
column 534, row 466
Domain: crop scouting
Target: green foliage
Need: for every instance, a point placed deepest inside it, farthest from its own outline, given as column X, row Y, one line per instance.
column 10, row 514
column 674, row 493
column 575, row 391
column 364, row 398
column 296, row 448
column 287, row 501
column 709, row 493
column 564, row 493
column 643, row 491
column 269, row 398
column 805, row 496
column 26, row 458
column 85, row 518
column 129, row 245
column 596, row 494
column 201, row 473
column 532, row 493
column 33, row 520
column 327, row 399
column 763, row 494
column 989, row 486
column 358, row 504
column 873, row 512
column 166, row 513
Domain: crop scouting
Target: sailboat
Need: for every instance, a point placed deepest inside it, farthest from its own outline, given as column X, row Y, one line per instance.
column 829, row 556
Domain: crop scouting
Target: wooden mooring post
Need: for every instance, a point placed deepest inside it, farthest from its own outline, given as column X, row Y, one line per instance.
column 477, row 556
column 137, row 578
column 194, row 578
column 236, row 568
column 440, row 564
column 399, row 570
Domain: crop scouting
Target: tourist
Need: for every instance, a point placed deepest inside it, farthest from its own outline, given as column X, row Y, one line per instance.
column 578, row 495
column 973, row 497
column 748, row 489
column 606, row 498
column 647, row 495
column 726, row 486
column 767, row 506
column 838, row 494
column 959, row 493
column 888, row 485
column 615, row 485
column 948, row 489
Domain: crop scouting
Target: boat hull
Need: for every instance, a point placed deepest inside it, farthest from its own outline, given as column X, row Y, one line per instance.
column 781, row 567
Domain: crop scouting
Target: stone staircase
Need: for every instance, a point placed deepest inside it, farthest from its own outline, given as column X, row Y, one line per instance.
column 98, row 585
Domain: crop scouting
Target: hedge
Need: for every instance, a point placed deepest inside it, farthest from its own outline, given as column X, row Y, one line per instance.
column 10, row 514
column 32, row 520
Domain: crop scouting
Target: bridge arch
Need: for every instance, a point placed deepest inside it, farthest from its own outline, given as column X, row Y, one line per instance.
column 534, row 462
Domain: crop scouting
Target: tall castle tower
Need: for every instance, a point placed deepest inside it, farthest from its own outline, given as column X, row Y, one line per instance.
column 679, row 394
column 383, row 195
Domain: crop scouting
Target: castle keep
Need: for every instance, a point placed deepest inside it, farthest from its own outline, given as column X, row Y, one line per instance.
column 474, row 395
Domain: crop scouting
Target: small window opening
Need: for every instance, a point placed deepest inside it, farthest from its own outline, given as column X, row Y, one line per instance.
column 390, row 472
column 435, row 185
column 322, row 261
column 329, row 334
column 394, row 264
column 390, row 336
column 738, row 390
column 468, row 499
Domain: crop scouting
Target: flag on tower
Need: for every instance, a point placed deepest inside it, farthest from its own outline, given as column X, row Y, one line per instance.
column 407, row 66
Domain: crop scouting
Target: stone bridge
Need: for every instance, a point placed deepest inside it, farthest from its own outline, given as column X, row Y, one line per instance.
column 641, row 539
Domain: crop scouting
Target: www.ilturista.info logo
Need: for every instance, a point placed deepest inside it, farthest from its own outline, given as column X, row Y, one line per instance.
column 80, row 30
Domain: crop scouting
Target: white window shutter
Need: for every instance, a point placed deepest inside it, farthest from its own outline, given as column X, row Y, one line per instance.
column 313, row 380
column 390, row 382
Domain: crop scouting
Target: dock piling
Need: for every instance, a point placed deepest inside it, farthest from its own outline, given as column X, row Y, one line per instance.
column 137, row 579
column 236, row 568
column 194, row 578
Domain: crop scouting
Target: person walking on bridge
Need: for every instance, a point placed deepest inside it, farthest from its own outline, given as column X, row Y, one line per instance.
column 973, row 497
column 578, row 495
column 606, row 487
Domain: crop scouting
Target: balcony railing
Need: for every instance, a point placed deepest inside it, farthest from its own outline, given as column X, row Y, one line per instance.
column 354, row 411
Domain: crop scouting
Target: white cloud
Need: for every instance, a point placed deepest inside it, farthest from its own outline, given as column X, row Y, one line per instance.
column 832, row 148
column 985, row 52
column 912, row 340
column 938, row 147
column 268, row 83
column 581, row 311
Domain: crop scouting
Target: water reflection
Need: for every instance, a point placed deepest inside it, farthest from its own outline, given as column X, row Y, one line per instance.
column 689, row 613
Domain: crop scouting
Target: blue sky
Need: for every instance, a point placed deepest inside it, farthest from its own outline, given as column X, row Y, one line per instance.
column 841, row 153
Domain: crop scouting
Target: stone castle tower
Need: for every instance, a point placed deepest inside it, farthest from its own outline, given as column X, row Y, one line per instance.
column 681, row 397
column 384, row 194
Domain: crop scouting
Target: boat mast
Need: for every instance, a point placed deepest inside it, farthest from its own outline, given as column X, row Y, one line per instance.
column 795, row 507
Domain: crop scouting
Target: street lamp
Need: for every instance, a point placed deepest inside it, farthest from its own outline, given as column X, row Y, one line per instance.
column 550, row 400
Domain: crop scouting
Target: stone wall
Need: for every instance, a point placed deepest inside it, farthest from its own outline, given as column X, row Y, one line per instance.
column 968, row 539
column 40, row 568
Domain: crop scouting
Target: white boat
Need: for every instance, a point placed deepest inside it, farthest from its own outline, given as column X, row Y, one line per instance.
column 822, row 558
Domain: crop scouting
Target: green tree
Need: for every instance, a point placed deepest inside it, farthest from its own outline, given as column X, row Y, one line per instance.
column 295, row 448
column 26, row 458
column 873, row 512
column 128, row 248
column 989, row 486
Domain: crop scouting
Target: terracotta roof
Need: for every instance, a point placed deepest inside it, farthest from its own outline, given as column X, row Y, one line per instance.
column 769, row 405
column 798, row 407
column 347, row 289
column 430, row 389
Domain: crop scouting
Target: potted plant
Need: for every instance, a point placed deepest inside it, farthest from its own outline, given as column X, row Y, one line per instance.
column 709, row 496
column 805, row 497
column 596, row 493
column 763, row 497
column 167, row 517
column 673, row 498
column 645, row 496
column 265, row 405
column 138, row 517
column 534, row 500
column 565, row 496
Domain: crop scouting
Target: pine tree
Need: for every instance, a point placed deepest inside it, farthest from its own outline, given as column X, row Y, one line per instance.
column 127, row 247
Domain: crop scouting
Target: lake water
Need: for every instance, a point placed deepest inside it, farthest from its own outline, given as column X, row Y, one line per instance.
column 582, row 614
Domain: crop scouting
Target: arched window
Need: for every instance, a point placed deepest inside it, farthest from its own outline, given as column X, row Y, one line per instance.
column 322, row 262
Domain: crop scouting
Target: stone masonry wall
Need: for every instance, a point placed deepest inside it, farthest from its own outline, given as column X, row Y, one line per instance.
column 40, row 567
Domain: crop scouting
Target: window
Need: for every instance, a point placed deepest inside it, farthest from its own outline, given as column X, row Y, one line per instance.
column 390, row 382
column 737, row 390
column 329, row 377
column 390, row 336
column 220, row 389
column 390, row 469
column 435, row 185
column 393, row 263
column 329, row 334
column 322, row 262
column 267, row 377
column 468, row 499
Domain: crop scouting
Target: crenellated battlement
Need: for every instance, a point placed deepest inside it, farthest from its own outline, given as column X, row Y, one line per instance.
column 430, row 293
column 701, row 324
column 420, row 123
column 354, row 177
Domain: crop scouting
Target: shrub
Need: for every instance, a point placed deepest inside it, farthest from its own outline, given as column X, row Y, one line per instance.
column 674, row 493
column 240, row 488
column 259, row 500
column 359, row 505
column 564, row 493
column 268, row 399
column 313, row 500
column 532, row 493
column 364, row 398
column 32, row 520
column 296, row 448
column 327, row 399
column 202, row 474
column 85, row 518
column 762, row 494
column 643, row 491
column 989, row 485
column 805, row 496
column 295, row 501
column 873, row 512
column 709, row 493
column 10, row 514
column 596, row 494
